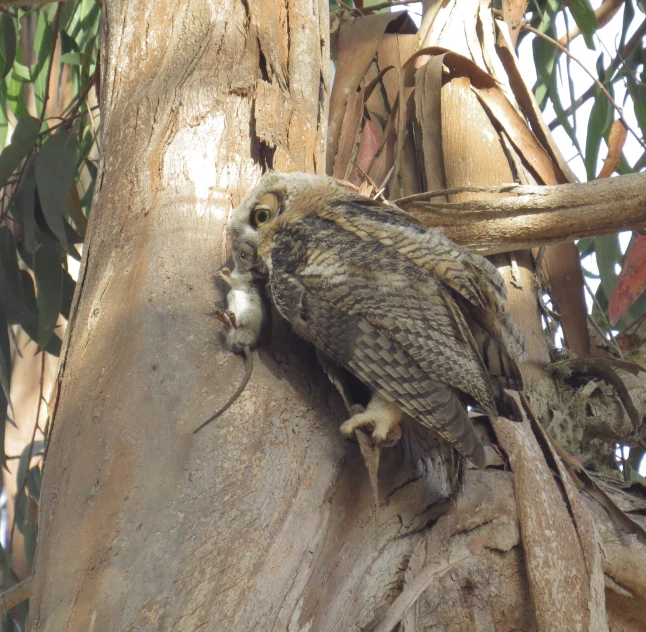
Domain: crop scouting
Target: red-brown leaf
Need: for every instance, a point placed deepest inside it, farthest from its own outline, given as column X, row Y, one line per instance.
column 631, row 282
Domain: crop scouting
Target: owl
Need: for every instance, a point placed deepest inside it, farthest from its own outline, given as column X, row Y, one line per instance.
column 417, row 319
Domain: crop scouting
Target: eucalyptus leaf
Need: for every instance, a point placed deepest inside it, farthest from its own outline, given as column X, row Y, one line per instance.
column 49, row 284
column 24, row 206
column 74, row 59
column 4, row 116
column 35, row 480
column 608, row 255
column 30, row 534
column 5, row 362
column 69, row 285
column 15, row 97
column 598, row 124
column 43, row 43
column 55, row 171
column 23, row 139
column 12, row 297
column 7, row 43
column 21, row 73
column 54, row 345
column 585, row 19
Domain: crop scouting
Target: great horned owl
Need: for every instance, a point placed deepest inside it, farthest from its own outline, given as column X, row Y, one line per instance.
column 420, row 321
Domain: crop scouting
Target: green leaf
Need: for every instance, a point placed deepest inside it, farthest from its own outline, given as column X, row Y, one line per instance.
column 74, row 210
column 638, row 93
column 608, row 254
column 598, row 124
column 561, row 115
column 24, row 461
column 7, row 43
column 54, row 345
column 68, row 44
column 585, row 19
column 30, row 534
column 55, row 171
column 545, row 56
column 21, row 73
column 4, row 117
column 74, row 59
column 5, row 363
column 35, row 479
column 15, row 98
column 12, row 297
column 23, row 140
column 68, row 16
column 69, row 285
column 585, row 246
column 43, row 44
column 25, row 204
column 49, row 284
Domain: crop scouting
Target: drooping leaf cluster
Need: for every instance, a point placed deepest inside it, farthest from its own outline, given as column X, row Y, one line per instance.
column 48, row 157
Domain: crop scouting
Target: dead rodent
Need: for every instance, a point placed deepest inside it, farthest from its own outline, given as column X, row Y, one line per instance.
column 243, row 317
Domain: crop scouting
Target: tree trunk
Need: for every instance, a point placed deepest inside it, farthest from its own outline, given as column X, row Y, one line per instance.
column 143, row 524
column 264, row 520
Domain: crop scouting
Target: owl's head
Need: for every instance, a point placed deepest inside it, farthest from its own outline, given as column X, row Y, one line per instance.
column 275, row 194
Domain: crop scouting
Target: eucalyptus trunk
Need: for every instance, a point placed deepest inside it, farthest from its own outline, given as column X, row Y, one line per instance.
column 266, row 519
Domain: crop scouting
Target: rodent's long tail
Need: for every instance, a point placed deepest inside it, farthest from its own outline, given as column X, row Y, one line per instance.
column 248, row 360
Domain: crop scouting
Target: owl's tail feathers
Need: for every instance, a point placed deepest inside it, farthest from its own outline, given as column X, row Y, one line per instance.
column 501, row 362
column 496, row 318
column 450, row 421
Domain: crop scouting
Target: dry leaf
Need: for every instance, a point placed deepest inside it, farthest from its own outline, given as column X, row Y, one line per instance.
column 616, row 141
column 631, row 282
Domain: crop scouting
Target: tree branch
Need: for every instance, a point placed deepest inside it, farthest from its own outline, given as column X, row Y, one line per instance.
column 16, row 594
column 532, row 216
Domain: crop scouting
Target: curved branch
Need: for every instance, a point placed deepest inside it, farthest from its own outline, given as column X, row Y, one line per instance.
column 532, row 216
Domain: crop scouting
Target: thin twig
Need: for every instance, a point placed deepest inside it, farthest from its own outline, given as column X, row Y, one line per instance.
column 498, row 188
column 30, row 454
column 596, row 81
column 68, row 120
column 385, row 5
column 616, row 62
column 603, row 314
column 636, row 324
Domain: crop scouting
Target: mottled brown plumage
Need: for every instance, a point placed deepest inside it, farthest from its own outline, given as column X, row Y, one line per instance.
column 416, row 318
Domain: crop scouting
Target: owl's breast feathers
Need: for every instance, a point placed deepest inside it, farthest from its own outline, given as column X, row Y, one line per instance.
column 412, row 315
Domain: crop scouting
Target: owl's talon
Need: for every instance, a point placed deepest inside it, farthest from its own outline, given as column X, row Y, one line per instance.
column 381, row 416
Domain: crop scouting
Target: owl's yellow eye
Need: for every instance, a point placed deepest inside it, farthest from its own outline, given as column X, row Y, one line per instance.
column 261, row 216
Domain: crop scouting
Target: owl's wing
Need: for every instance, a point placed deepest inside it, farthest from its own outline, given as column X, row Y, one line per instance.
column 385, row 319
column 473, row 281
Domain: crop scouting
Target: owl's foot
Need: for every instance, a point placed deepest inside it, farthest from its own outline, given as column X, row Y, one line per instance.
column 381, row 416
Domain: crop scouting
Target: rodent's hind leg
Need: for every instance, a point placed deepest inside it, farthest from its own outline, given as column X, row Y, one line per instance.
column 225, row 318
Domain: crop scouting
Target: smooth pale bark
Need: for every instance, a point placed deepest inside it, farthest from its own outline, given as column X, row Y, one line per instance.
column 142, row 523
